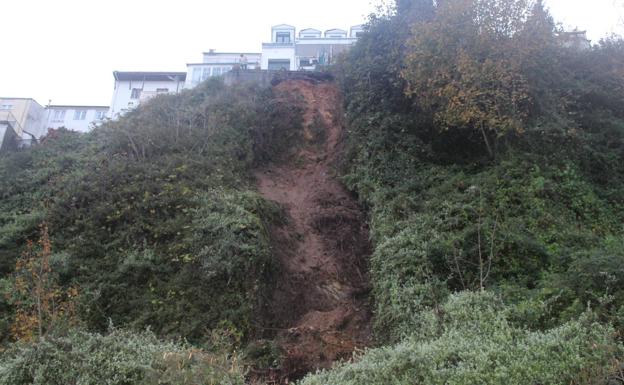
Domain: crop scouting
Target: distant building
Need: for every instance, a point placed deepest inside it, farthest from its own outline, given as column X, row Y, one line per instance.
column 310, row 50
column 24, row 115
column 75, row 118
column 134, row 88
column 8, row 137
column 574, row 39
column 216, row 64
column 280, row 52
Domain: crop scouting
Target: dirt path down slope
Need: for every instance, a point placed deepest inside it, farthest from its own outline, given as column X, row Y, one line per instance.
column 324, row 245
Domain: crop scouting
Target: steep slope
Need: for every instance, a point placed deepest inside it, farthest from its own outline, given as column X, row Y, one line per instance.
column 321, row 298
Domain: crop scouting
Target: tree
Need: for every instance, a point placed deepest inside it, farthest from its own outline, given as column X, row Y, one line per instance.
column 465, row 67
column 416, row 10
column 40, row 303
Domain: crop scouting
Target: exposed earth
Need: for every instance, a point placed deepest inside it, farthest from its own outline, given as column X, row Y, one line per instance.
column 322, row 296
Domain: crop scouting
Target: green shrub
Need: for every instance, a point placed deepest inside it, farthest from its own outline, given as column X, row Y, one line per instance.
column 473, row 343
column 154, row 212
column 117, row 358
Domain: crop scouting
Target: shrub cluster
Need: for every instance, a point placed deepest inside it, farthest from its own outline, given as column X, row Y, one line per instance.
column 153, row 216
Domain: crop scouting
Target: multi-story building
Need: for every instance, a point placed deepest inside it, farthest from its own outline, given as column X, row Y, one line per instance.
column 134, row 88
column 218, row 63
column 311, row 49
column 24, row 115
column 75, row 118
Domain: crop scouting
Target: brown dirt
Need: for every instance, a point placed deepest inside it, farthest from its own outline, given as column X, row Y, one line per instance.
column 322, row 296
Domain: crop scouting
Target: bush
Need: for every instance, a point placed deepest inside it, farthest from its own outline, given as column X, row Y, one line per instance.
column 472, row 342
column 154, row 212
column 117, row 358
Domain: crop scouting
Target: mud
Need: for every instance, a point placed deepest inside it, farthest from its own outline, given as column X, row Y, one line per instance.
column 320, row 301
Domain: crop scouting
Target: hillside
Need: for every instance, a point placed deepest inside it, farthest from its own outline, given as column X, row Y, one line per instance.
column 445, row 207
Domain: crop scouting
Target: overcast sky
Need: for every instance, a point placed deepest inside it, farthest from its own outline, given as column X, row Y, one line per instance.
column 66, row 50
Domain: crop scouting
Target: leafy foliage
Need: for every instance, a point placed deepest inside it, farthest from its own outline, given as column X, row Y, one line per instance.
column 490, row 160
column 117, row 358
column 470, row 341
column 152, row 211
column 41, row 305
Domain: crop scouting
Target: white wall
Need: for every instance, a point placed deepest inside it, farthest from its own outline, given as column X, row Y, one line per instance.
column 68, row 121
column 123, row 102
column 28, row 114
column 270, row 52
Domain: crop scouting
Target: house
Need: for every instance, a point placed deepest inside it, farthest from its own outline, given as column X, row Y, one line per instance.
column 134, row 88
column 216, row 64
column 574, row 39
column 280, row 52
column 24, row 115
column 311, row 49
column 75, row 118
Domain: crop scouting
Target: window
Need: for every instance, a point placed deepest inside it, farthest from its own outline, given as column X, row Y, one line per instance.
column 197, row 75
column 279, row 64
column 282, row 37
column 206, row 73
column 216, row 71
column 100, row 115
column 80, row 114
column 136, row 93
column 162, row 90
column 6, row 107
column 59, row 115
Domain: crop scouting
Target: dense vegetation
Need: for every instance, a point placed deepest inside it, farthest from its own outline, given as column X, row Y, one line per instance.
column 489, row 156
column 152, row 222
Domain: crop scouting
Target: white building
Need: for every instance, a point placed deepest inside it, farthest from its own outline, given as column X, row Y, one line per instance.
column 134, row 88
column 75, row 118
column 312, row 48
column 216, row 64
column 24, row 115
column 280, row 52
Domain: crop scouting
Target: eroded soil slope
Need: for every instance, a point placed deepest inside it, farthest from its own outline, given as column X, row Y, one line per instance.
column 322, row 298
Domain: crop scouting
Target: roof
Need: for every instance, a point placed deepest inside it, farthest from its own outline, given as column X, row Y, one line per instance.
column 74, row 106
column 3, row 98
column 231, row 53
column 310, row 30
column 335, row 30
column 149, row 76
column 253, row 61
column 284, row 26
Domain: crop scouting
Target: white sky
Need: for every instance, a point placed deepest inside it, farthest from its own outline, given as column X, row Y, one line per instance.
column 66, row 50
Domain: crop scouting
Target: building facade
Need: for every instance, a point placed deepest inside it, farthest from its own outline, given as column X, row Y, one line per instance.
column 133, row 88
column 308, row 50
column 24, row 115
column 218, row 63
column 574, row 40
column 75, row 118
